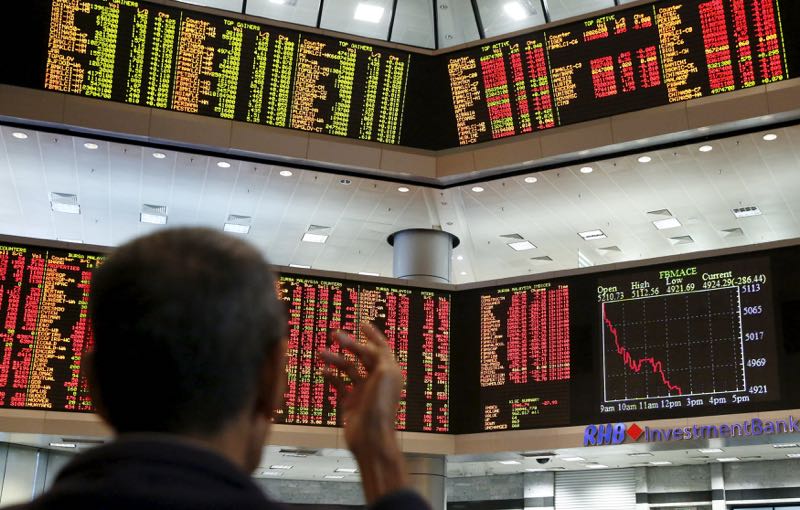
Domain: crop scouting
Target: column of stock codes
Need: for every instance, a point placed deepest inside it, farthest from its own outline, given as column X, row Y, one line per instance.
column 525, row 356
column 152, row 55
column 44, row 328
column 650, row 55
column 695, row 336
column 416, row 324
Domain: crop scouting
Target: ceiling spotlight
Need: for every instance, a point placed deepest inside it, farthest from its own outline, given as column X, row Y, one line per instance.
column 522, row 245
column 531, row 179
column 91, row 146
column 587, row 170
column 535, row 470
column 19, row 135
column 299, row 266
column 271, row 473
column 367, row 273
column 769, row 137
column 65, row 203
column 463, row 273
column 159, row 155
column 710, row 450
column 235, row 228
column 667, row 223
column 573, row 459
column 63, row 445
column 509, row 462
column 155, row 214
column 346, row 470
column 515, row 11
column 368, row 13
column 793, row 455
column 281, row 466
column 460, row 257
column 345, row 182
column 403, row 189
column 477, row 189
column 223, row 164
column 785, row 445
column 286, row 173
column 645, row 159
column 596, row 466
column 333, row 477
column 728, row 459
column 660, row 463
column 706, row 148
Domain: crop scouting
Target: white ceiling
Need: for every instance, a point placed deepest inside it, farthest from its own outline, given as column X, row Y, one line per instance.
column 700, row 189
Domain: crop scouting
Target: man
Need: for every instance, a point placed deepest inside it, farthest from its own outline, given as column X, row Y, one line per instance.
column 187, row 368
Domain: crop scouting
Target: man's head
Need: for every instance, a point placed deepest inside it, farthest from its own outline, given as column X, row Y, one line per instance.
column 188, row 332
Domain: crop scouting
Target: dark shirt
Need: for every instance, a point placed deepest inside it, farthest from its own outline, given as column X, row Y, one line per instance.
column 156, row 473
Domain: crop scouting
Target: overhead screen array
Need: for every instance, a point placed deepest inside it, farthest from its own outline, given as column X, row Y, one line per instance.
column 44, row 295
column 688, row 338
column 650, row 55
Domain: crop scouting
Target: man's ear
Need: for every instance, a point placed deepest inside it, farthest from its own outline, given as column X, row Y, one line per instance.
column 88, row 369
column 273, row 381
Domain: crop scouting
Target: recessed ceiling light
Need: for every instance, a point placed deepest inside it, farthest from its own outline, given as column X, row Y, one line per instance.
column 155, row 214
column 74, row 241
column 573, row 459
column 286, row 173
column 300, row 266
column 667, row 223
column 279, row 2
column 460, row 257
column 280, row 466
column 477, row 189
column 159, row 155
column 769, row 137
column 522, row 245
column 65, row 203
column 535, row 470
column 223, row 164
column 91, row 146
column 509, row 462
column 706, row 148
column 587, row 170
column 793, row 455
column 271, row 473
column 660, row 463
column 334, row 477
column 367, row 273
column 346, row 470
column 591, row 235
column 710, row 450
column 596, row 466
column 403, row 189
column 515, row 11
column 645, row 159
column 63, row 445
column 728, row 459
column 236, row 229
column 368, row 13
column 531, row 179
column 308, row 237
column 345, row 182
column 640, row 454
column 19, row 135
column 746, row 212
column 463, row 273
column 785, row 445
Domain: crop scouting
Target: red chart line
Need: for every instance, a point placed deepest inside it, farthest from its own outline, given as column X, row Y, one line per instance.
column 636, row 365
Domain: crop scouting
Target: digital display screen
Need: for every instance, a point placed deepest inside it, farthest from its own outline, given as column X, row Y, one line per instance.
column 157, row 56
column 688, row 336
column 171, row 58
column 642, row 57
column 417, row 327
column 44, row 296
column 524, row 356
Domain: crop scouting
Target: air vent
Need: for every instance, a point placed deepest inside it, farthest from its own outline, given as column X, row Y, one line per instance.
column 681, row 240
column 610, row 249
column 543, row 258
column 746, row 212
column 297, row 452
column 155, row 214
column 512, row 236
column 65, row 203
column 317, row 229
column 534, row 455
column 660, row 212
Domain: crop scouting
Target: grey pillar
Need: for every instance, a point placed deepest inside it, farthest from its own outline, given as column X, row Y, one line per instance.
column 427, row 475
column 423, row 255
column 717, row 486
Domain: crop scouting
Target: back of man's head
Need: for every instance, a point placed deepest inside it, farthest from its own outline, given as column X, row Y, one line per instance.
column 184, row 321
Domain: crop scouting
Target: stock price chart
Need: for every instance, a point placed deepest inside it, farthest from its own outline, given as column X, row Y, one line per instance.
column 697, row 336
column 524, row 356
column 646, row 56
column 152, row 55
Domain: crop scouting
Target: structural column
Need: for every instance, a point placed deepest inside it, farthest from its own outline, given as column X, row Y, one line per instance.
column 427, row 476
column 423, row 255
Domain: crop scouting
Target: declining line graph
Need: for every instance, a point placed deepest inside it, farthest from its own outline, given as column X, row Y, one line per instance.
column 673, row 345
column 636, row 365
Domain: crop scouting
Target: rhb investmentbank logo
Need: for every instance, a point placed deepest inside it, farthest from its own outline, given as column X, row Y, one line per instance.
column 617, row 433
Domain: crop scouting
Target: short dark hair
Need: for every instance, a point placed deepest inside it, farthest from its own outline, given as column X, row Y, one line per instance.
column 184, row 321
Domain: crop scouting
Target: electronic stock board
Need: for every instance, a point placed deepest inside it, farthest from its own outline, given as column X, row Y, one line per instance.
column 172, row 58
